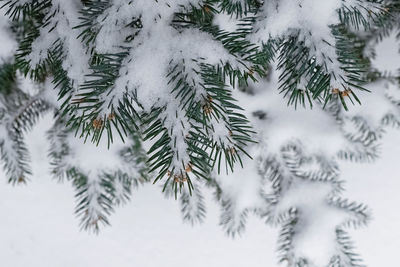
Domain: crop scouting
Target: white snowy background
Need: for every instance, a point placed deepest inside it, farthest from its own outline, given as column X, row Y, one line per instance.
column 38, row 226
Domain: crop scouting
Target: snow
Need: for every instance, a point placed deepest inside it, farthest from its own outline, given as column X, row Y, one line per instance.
column 8, row 45
column 287, row 18
column 285, row 123
column 152, row 72
column 377, row 185
column 311, row 21
column 376, row 104
column 178, row 48
column 385, row 93
column 243, row 186
column 179, row 125
column 388, row 48
column 76, row 61
column 38, row 227
column 226, row 22
column 316, row 226
column 147, row 76
column 90, row 157
column 287, row 15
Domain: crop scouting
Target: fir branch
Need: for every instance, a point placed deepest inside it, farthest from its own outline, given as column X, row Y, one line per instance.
column 19, row 114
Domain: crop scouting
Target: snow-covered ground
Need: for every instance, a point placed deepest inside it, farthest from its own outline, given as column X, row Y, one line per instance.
column 38, row 228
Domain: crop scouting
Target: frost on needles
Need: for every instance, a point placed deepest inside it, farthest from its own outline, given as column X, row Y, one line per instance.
column 251, row 99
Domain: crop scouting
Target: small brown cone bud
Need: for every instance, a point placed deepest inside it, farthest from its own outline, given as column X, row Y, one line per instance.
column 207, row 109
column 345, row 93
column 206, row 9
column 111, row 116
column 188, row 167
column 179, row 178
column 97, row 123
